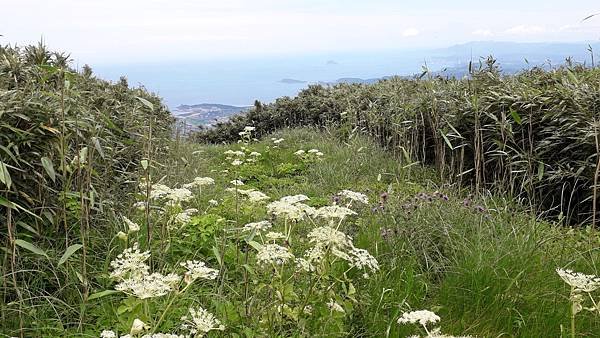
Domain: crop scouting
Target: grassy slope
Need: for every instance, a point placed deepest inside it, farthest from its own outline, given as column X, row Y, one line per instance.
column 486, row 271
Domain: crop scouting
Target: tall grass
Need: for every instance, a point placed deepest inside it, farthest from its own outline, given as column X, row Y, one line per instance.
column 532, row 135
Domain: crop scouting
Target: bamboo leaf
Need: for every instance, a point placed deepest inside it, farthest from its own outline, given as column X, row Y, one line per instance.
column 5, row 175
column 146, row 102
column 31, row 247
column 47, row 164
column 447, row 140
column 515, row 116
column 68, row 253
column 102, row 294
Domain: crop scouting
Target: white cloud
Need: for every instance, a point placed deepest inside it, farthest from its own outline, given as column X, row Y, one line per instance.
column 409, row 32
column 525, row 30
column 482, row 32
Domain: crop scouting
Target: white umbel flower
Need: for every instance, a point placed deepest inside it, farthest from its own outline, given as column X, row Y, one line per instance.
column 185, row 216
column 334, row 212
column 199, row 322
column 149, row 286
column 130, row 263
column 236, row 182
column 579, row 281
column 362, row 259
column 300, row 152
column 199, row 182
column 274, row 236
column 422, row 317
column 273, row 254
column 327, row 236
column 354, row 196
column 257, row 226
column 108, row 334
column 198, row 270
column 294, row 199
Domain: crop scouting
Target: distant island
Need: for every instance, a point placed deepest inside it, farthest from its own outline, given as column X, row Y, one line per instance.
column 205, row 114
column 291, row 81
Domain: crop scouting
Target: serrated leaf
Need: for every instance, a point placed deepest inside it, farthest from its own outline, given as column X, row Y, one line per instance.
column 102, row 294
column 31, row 247
column 49, row 167
column 68, row 253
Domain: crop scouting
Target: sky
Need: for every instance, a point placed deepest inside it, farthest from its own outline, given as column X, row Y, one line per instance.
column 138, row 31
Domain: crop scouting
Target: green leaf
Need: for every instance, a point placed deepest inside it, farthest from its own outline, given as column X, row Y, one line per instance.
column 217, row 255
column 102, row 294
column 47, row 164
column 540, row 171
column 255, row 245
column 447, row 140
column 68, row 253
column 28, row 246
column 515, row 116
column 5, row 175
column 146, row 102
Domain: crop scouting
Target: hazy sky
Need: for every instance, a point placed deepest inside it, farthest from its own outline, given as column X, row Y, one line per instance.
column 150, row 30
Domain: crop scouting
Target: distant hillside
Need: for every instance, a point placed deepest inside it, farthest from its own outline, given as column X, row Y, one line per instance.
column 206, row 114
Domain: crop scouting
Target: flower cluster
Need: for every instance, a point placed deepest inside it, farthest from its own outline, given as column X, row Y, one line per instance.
column 198, row 270
column 332, row 212
column 199, row 322
column 185, row 216
column 273, row 254
column 354, row 196
column 199, row 182
column 315, row 153
column 130, row 264
column 578, row 281
column 257, row 226
column 290, row 207
column 149, row 285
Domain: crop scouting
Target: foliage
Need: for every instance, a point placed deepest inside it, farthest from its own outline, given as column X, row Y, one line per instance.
column 532, row 135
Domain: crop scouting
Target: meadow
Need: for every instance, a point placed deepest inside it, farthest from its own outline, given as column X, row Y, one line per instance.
column 117, row 227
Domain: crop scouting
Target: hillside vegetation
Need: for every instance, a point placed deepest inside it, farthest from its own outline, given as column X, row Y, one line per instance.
column 116, row 229
column 533, row 135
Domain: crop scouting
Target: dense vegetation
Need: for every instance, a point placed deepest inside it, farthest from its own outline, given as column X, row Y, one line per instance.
column 533, row 135
column 114, row 228
column 70, row 147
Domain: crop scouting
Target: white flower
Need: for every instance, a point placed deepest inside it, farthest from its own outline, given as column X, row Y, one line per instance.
column 273, row 254
column 334, row 211
column 237, row 162
column 257, row 226
column 179, row 195
column 149, row 286
column 199, row 182
column 235, row 153
column 130, row 263
column 277, row 141
column 248, row 128
column 185, row 216
column 236, row 182
column 138, row 327
column 255, row 154
column 140, row 205
column 213, row 202
column 255, row 196
column 295, row 211
column 199, row 322
column 163, row 335
column 157, row 190
column 294, row 199
column 300, row 152
column 198, row 269
column 333, row 306
column 362, row 259
column 354, row 196
column 319, row 154
column 579, row 281
column 132, row 227
column 273, row 236
column 313, row 151
column 329, row 237
column 422, row 317
column 304, row 265
column 108, row 334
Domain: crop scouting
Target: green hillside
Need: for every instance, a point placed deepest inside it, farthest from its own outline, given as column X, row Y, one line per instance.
column 367, row 223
